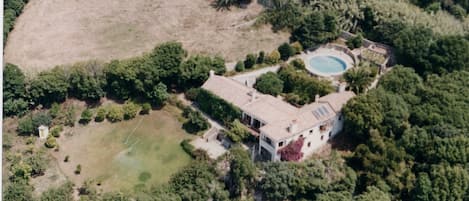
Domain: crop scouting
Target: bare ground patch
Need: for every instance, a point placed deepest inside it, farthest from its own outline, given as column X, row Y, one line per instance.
column 56, row 32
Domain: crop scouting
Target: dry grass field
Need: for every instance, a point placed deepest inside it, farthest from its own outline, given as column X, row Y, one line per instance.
column 56, row 32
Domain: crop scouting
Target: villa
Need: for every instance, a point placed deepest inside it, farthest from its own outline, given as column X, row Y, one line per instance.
column 278, row 123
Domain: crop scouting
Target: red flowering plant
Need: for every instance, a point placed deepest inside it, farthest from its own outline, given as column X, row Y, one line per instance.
column 292, row 152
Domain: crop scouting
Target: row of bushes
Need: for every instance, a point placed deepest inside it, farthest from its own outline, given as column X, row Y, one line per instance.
column 283, row 52
column 198, row 154
column 147, row 77
column 12, row 9
column 214, row 106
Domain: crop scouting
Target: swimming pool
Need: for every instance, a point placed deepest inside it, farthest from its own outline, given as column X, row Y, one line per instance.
column 326, row 65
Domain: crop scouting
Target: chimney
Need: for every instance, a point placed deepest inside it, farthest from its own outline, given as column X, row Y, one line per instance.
column 342, row 87
column 212, row 73
column 316, row 98
column 253, row 95
column 293, row 126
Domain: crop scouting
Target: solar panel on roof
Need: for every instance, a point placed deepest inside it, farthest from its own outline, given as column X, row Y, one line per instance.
column 316, row 114
column 320, row 111
column 325, row 110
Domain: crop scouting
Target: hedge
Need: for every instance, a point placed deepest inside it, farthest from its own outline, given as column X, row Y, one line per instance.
column 216, row 107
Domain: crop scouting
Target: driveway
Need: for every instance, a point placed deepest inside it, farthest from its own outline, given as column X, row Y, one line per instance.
column 249, row 78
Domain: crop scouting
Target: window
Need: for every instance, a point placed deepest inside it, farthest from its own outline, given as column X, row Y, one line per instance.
column 268, row 140
column 311, row 131
column 340, row 117
column 330, row 134
column 309, row 144
column 280, row 144
column 301, row 136
column 322, row 137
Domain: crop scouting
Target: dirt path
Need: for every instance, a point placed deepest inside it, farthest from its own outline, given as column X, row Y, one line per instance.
column 55, row 32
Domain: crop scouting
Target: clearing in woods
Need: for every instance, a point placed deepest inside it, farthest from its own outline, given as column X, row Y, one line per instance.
column 56, row 32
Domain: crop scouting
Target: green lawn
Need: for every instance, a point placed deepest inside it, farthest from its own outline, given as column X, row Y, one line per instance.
column 122, row 155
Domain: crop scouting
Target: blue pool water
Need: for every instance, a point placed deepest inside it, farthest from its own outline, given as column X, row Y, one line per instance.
column 326, row 65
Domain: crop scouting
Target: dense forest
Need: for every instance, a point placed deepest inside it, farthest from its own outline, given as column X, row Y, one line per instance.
column 409, row 136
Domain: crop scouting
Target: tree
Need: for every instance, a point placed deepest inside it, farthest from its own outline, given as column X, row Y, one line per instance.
column 355, row 42
column 159, row 94
column 250, row 60
column 86, row 82
column 29, row 124
column 269, row 83
column 241, row 173
column 284, row 15
column 286, row 51
column 13, row 107
column 26, row 126
column 315, row 29
column 13, row 82
column 298, row 63
column 194, row 71
column 401, row 80
column 333, row 196
column 197, row 182
column 49, row 86
column 165, row 61
column 361, row 114
column 121, row 78
column 359, row 78
column 449, row 53
column 413, row 46
column 86, row 116
column 297, row 47
column 261, row 57
column 373, row 194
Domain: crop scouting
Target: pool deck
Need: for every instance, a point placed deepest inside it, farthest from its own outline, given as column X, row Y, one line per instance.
column 327, row 52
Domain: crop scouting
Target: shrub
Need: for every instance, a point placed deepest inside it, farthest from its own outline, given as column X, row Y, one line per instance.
column 195, row 121
column 458, row 11
column 26, row 126
column 70, row 117
column 261, row 57
column 50, row 142
column 86, row 116
column 78, row 169
column 298, row 64
column 297, row 47
column 187, row 146
column 286, row 51
column 130, row 110
column 192, row 93
column 100, row 115
column 115, row 114
column 200, row 154
column 269, row 83
column 239, row 66
column 238, row 132
column 273, row 57
column 55, row 131
column 54, row 110
column 250, row 60
column 294, row 99
column 146, row 108
column 355, row 42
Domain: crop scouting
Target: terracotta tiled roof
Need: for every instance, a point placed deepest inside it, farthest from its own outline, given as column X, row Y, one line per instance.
column 276, row 113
